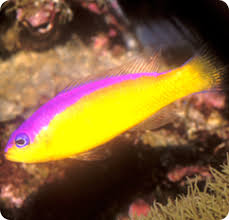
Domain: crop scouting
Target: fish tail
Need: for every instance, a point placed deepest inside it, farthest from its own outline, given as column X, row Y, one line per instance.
column 211, row 68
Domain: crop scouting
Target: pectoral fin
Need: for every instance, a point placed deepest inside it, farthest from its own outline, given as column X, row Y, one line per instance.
column 100, row 153
column 161, row 118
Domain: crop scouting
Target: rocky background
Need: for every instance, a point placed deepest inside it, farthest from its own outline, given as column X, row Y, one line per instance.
column 47, row 44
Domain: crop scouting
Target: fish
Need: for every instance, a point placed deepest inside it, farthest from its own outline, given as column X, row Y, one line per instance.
column 89, row 114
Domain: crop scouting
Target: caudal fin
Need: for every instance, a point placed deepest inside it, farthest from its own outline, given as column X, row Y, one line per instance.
column 209, row 65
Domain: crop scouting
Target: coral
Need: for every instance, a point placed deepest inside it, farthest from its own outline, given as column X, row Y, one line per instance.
column 211, row 203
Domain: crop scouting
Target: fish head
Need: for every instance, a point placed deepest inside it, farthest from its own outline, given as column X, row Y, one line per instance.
column 27, row 145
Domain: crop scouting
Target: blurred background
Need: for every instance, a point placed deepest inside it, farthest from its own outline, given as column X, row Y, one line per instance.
column 47, row 44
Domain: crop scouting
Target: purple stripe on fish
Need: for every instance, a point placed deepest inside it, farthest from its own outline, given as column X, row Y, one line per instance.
column 65, row 99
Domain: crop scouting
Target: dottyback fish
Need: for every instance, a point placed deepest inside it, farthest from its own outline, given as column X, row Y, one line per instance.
column 85, row 116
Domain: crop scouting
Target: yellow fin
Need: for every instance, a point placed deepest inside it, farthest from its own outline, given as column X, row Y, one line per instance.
column 161, row 118
column 100, row 153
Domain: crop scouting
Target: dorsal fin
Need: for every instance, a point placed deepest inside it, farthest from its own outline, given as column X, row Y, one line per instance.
column 137, row 65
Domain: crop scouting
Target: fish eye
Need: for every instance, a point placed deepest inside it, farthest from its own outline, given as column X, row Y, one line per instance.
column 22, row 140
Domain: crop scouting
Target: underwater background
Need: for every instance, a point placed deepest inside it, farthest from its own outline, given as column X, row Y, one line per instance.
column 46, row 45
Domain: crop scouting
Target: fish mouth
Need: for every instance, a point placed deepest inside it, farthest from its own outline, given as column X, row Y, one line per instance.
column 18, row 155
column 8, row 146
column 11, row 157
column 7, row 152
column 15, row 158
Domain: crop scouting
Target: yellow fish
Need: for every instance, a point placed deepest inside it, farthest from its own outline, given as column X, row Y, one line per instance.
column 81, row 118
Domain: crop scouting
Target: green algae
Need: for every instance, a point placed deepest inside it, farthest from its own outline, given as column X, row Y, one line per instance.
column 211, row 203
